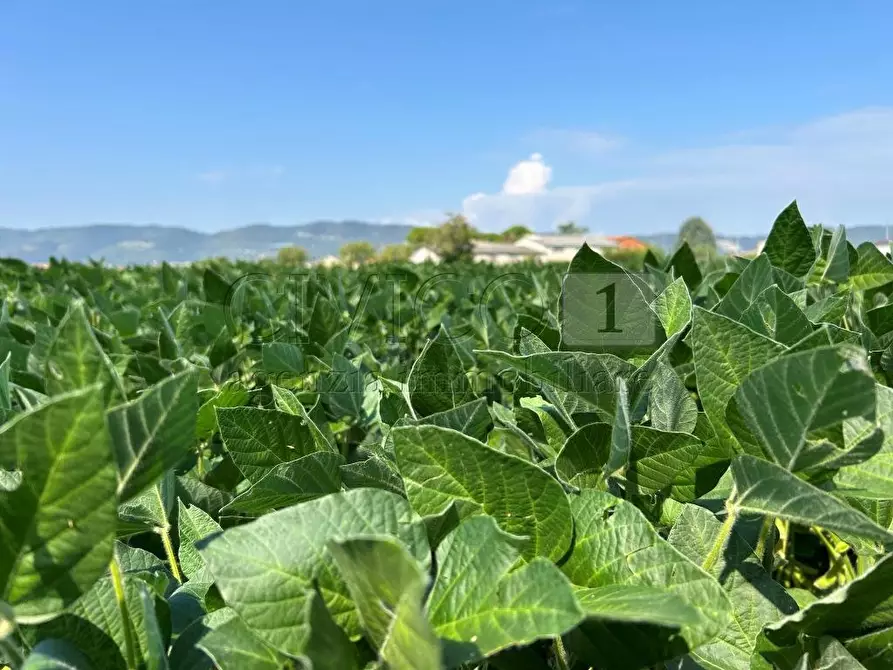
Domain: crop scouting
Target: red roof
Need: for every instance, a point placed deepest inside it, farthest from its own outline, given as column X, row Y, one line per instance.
column 627, row 242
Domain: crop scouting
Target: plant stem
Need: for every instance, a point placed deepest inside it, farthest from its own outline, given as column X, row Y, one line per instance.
column 118, row 584
column 784, row 531
column 762, row 543
column 561, row 655
column 724, row 532
column 171, row 556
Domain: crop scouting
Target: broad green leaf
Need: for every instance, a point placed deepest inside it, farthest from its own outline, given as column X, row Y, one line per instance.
column 264, row 569
column 685, row 266
column 872, row 478
column 833, row 264
column 154, row 432
column 232, row 646
column 281, row 357
column 584, row 455
column 57, row 528
column 168, row 346
column 764, row 488
column 756, row 598
column 678, row 465
column 834, row 656
column 643, row 379
column 155, row 653
column 478, row 607
column 874, row 650
column 343, row 389
column 437, row 381
column 95, row 626
column 471, row 418
column 54, row 654
column 287, row 402
column 260, row 439
column 411, row 642
column 725, row 352
column 311, row 476
column 880, row 320
column 216, row 288
column 442, row 467
column 871, row 270
column 588, row 378
column 789, row 245
column 621, row 439
column 858, row 608
column 627, row 603
column 193, row 525
column 830, row 309
column 328, row 647
column 377, row 571
column 144, row 565
column 775, row 315
column 531, row 344
column 192, row 491
column 325, row 321
column 231, row 394
column 756, row 278
column 673, row 307
column 671, row 406
column 616, row 546
column 787, row 399
column 75, row 359
column 150, row 509
column 185, row 653
column 375, row 473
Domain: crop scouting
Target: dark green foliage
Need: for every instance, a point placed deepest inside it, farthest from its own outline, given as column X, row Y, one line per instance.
column 408, row 467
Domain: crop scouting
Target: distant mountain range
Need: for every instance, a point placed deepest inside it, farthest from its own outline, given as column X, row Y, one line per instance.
column 130, row 244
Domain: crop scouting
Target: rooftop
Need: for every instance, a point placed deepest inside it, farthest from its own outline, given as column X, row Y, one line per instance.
column 495, row 248
column 562, row 241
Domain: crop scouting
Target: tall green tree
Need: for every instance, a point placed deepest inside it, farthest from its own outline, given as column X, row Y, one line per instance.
column 454, row 239
column 571, row 228
column 422, row 236
column 395, row 252
column 357, row 253
column 292, row 255
column 699, row 236
column 515, row 233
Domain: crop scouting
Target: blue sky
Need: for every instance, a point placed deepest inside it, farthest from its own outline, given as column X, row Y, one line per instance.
column 627, row 116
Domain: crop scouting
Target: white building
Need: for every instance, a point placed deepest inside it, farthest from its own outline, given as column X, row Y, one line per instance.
column 563, row 248
column 327, row 261
column 424, row 255
column 883, row 246
column 501, row 253
column 728, row 247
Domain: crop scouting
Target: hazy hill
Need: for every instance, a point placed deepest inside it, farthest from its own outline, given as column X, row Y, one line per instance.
column 124, row 244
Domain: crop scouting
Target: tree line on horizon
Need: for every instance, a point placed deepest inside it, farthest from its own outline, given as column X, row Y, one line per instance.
column 453, row 240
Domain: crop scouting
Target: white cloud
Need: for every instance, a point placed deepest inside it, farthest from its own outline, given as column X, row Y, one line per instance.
column 527, row 177
column 837, row 168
